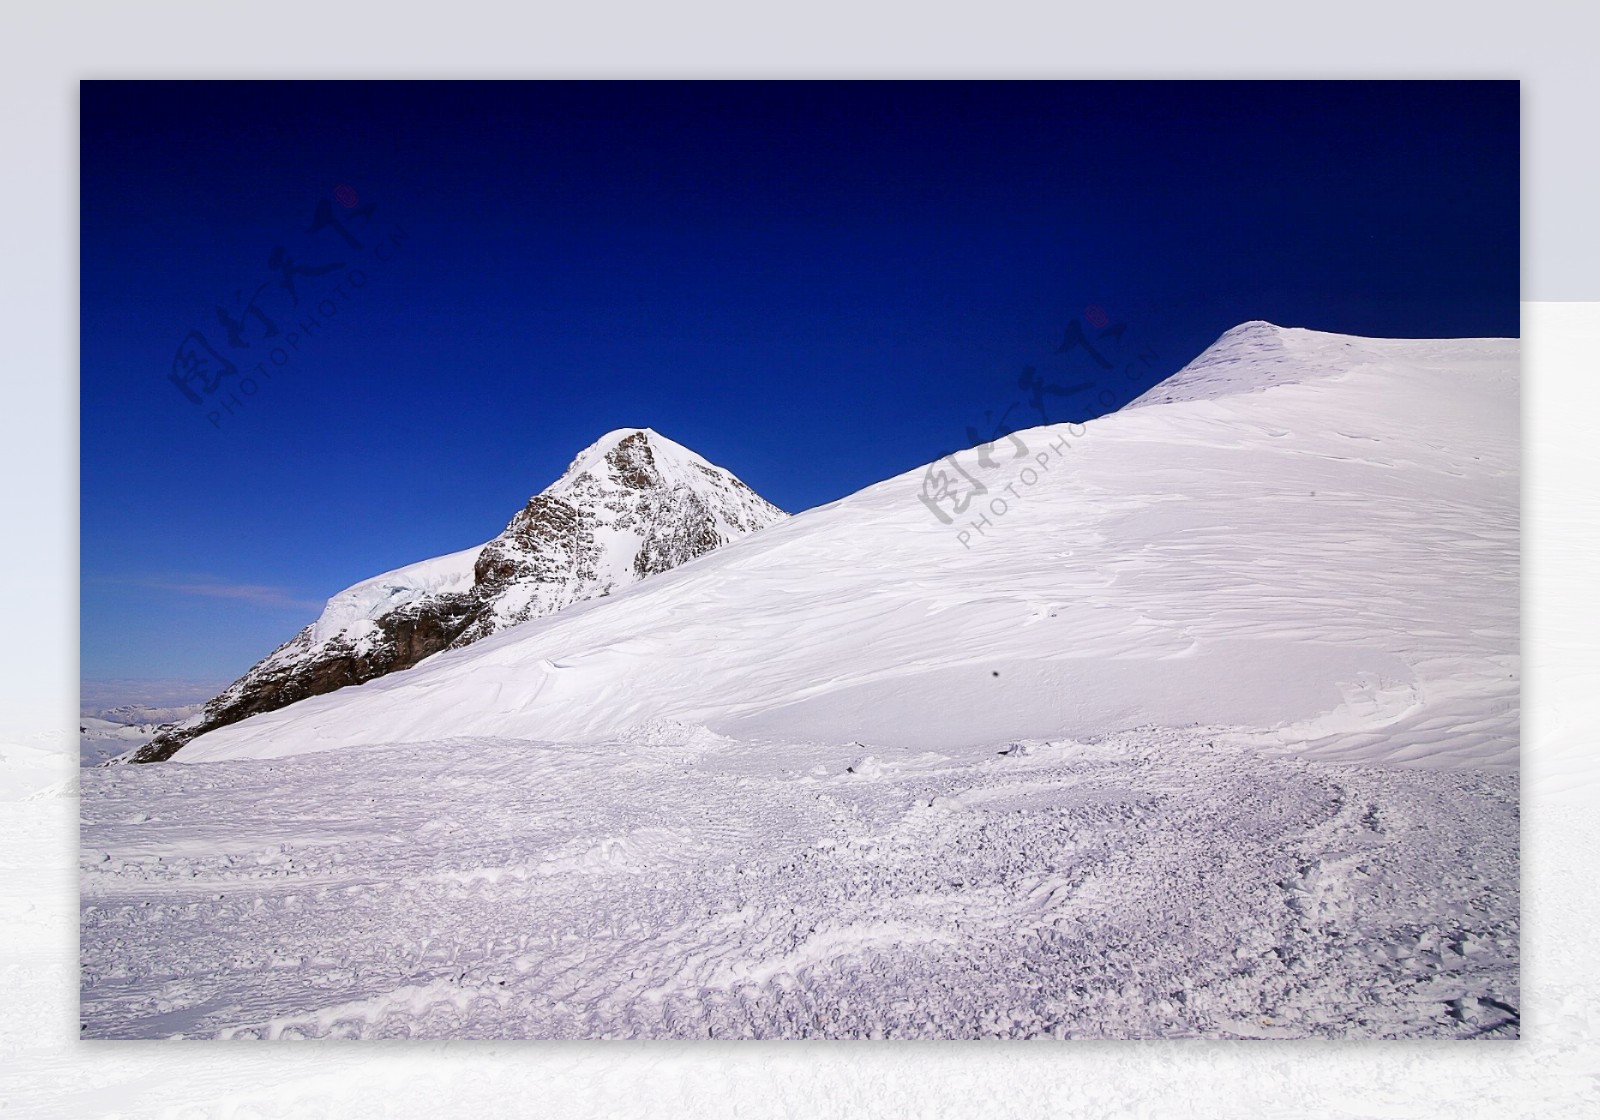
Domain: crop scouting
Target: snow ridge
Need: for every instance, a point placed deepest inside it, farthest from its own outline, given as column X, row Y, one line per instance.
column 1310, row 547
column 1254, row 357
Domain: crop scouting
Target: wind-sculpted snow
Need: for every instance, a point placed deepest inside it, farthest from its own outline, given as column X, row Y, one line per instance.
column 679, row 885
column 1312, row 546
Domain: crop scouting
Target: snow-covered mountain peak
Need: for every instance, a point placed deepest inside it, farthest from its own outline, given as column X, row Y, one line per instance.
column 632, row 504
column 637, row 459
column 639, row 471
column 614, row 449
column 1253, row 357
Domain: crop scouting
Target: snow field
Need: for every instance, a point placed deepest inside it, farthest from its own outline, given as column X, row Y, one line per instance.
column 1152, row 884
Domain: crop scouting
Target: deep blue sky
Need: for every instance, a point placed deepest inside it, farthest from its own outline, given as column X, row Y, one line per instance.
column 816, row 285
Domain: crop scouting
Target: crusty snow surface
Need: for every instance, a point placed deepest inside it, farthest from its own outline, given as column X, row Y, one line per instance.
column 1210, row 731
column 1147, row 885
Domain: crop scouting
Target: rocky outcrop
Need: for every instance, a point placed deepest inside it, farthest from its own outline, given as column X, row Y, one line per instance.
column 632, row 505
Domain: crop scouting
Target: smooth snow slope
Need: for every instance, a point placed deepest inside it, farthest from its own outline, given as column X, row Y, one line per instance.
column 1302, row 541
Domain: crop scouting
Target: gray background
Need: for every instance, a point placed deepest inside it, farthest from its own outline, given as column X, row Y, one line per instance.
column 44, row 1071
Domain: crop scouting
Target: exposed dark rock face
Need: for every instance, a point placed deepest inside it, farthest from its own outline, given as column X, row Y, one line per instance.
column 643, row 507
column 632, row 463
column 409, row 635
column 669, row 541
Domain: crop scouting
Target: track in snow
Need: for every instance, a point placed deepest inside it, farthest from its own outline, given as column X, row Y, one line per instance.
column 1154, row 883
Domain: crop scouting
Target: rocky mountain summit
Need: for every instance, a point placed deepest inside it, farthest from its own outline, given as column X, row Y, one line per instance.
column 631, row 505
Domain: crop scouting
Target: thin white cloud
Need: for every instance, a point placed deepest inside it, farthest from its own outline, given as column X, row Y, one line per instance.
column 262, row 595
